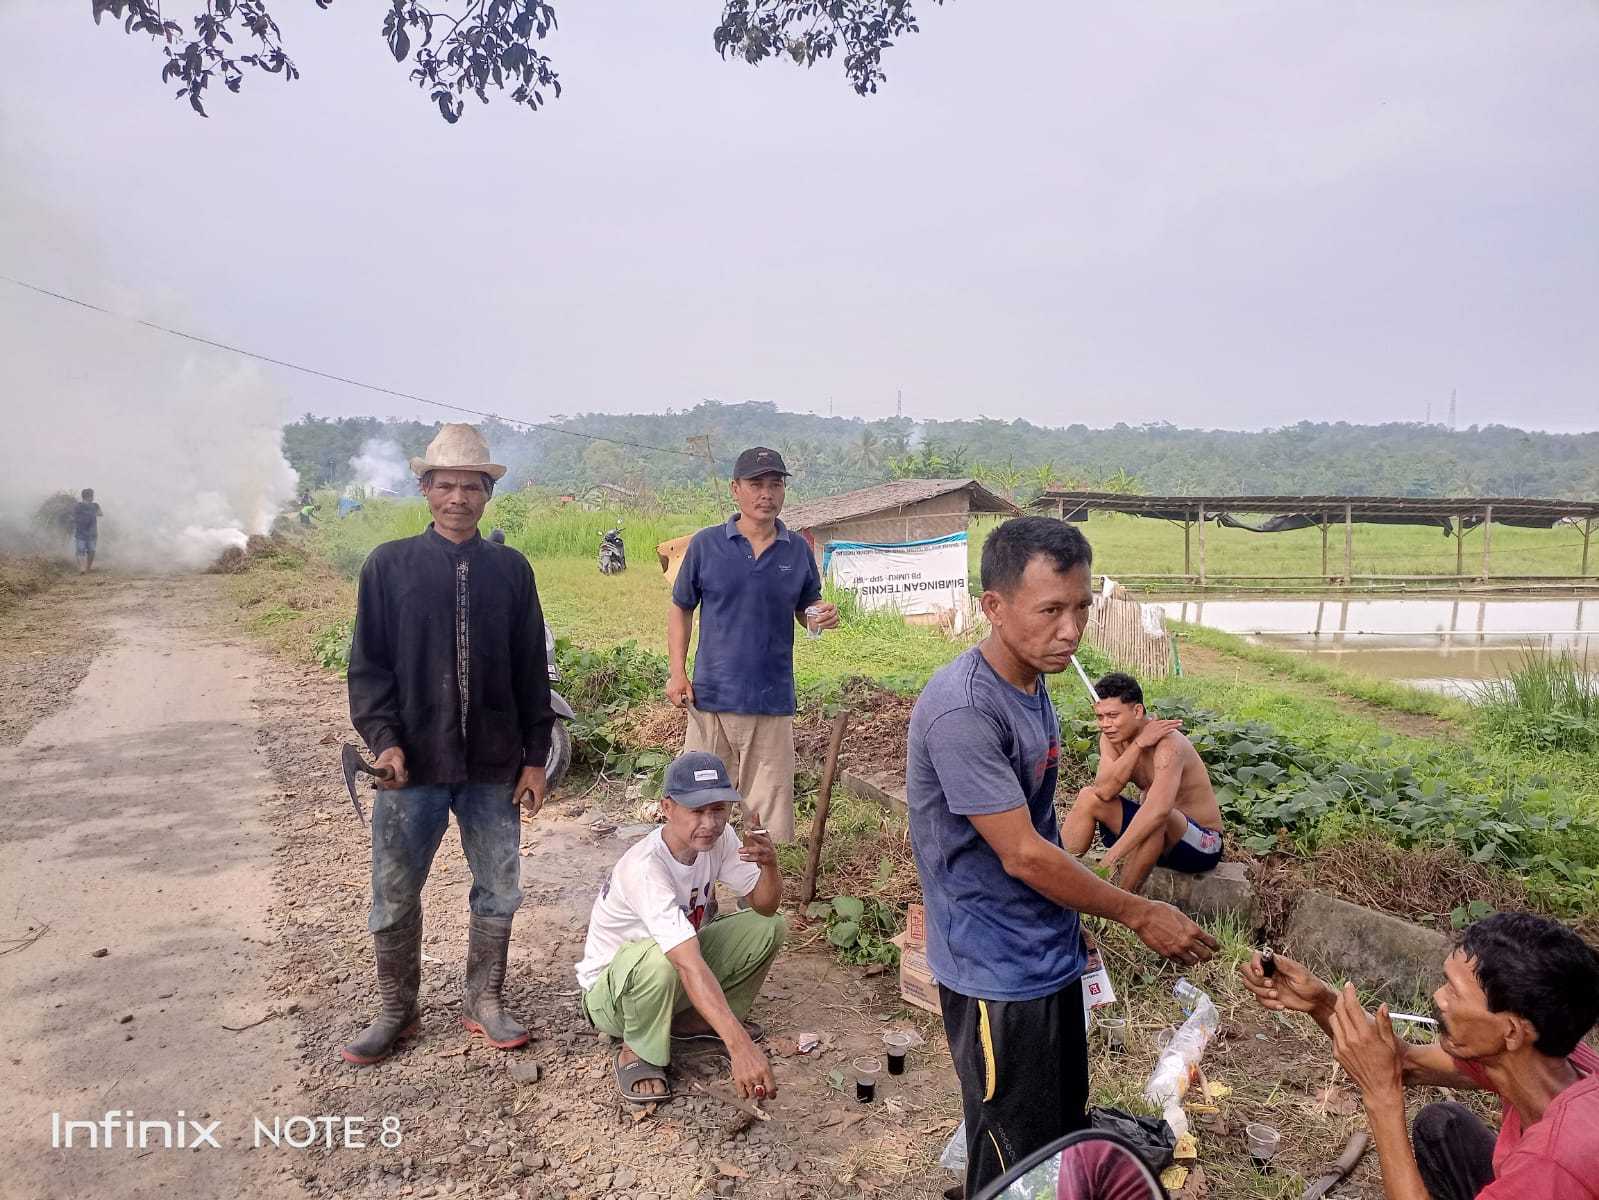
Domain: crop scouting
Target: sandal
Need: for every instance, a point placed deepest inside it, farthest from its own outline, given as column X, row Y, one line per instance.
column 636, row 1072
column 756, row 1032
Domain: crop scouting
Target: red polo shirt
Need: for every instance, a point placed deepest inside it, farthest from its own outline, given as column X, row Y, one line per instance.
column 1557, row 1157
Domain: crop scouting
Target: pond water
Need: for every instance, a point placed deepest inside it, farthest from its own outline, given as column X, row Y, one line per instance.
column 1444, row 644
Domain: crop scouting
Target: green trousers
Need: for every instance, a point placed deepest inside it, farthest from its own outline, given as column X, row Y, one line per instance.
column 640, row 992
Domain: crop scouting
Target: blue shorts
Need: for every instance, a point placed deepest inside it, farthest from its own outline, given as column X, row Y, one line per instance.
column 83, row 543
column 1198, row 852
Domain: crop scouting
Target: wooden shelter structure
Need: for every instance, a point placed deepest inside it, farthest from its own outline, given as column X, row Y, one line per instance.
column 905, row 510
column 1453, row 515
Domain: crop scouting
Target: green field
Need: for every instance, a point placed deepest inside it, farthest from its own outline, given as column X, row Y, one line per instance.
column 1139, row 546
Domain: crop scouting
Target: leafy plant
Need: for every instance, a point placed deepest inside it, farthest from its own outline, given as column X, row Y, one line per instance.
column 602, row 686
column 858, row 929
column 332, row 646
column 1546, row 702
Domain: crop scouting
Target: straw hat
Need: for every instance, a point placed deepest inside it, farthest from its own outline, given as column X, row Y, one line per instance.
column 457, row 447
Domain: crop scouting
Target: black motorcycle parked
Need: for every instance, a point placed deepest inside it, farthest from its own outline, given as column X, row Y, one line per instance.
column 613, row 556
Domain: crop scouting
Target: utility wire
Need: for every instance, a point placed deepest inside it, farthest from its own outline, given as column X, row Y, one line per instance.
column 356, row 383
column 387, row 391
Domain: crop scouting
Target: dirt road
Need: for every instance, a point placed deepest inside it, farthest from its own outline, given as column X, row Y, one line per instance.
column 176, row 802
column 134, row 889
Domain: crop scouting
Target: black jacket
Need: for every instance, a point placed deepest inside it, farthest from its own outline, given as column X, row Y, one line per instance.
column 422, row 599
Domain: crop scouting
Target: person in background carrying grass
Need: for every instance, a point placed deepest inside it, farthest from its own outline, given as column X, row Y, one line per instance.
column 1178, row 822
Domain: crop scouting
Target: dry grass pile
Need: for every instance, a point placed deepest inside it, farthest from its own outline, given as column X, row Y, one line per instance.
column 22, row 576
column 1425, row 884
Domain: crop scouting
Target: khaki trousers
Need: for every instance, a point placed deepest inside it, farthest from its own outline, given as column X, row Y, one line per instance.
column 759, row 754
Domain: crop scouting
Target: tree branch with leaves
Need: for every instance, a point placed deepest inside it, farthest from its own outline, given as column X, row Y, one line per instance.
column 457, row 47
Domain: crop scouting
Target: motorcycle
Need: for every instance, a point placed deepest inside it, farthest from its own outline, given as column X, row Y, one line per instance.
column 559, row 760
column 613, row 556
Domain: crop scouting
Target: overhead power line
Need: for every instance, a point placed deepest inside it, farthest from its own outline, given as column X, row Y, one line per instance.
column 697, row 455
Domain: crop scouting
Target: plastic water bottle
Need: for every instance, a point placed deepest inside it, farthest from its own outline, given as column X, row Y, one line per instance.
column 1174, row 1069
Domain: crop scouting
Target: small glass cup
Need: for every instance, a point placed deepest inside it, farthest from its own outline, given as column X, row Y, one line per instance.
column 1114, row 1031
column 813, row 617
column 1262, row 1141
column 896, row 1043
column 866, row 1072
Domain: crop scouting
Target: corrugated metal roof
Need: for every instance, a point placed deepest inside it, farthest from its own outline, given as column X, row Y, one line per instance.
column 1506, row 508
column 895, row 495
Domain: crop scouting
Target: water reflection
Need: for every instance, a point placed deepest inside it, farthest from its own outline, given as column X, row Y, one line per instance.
column 1440, row 644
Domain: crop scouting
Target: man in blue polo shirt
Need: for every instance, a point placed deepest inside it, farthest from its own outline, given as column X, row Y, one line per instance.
column 1002, row 896
column 752, row 582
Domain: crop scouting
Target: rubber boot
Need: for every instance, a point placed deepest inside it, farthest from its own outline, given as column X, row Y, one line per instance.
column 399, row 958
column 481, row 1011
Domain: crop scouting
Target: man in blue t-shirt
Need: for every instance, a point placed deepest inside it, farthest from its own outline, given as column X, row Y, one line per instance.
column 752, row 582
column 1002, row 896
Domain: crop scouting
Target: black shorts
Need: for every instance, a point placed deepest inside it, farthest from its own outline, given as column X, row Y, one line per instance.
column 1198, row 852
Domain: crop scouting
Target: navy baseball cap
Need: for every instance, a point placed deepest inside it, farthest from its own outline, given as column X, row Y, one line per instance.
column 696, row 778
column 758, row 460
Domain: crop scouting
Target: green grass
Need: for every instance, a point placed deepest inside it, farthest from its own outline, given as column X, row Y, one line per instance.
column 1137, row 545
column 1548, row 702
column 1381, row 693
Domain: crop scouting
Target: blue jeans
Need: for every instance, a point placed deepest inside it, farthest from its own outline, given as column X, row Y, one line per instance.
column 407, row 826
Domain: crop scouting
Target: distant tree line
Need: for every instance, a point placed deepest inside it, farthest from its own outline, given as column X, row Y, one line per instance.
column 1017, row 458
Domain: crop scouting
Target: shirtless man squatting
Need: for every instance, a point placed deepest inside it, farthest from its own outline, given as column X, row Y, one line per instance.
column 1176, row 824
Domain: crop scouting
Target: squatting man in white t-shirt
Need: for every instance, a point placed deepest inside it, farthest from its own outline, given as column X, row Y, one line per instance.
column 659, row 964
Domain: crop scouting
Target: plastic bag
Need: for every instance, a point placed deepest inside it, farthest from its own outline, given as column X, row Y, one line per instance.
column 1174, row 1069
column 954, row 1156
column 1152, row 1137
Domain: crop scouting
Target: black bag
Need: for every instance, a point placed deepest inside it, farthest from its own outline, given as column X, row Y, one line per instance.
column 1150, row 1136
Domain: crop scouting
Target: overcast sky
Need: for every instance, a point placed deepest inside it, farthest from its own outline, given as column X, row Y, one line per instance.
column 1232, row 215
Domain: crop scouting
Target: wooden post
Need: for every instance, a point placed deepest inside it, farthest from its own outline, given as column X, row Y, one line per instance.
column 1460, row 545
column 1324, row 524
column 1188, row 527
column 1202, row 545
column 1587, row 534
column 1349, row 544
column 1487, row 537
column 824, row 801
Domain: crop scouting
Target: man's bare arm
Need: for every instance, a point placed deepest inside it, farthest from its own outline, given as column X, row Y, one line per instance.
column 1115, row 771
column 679, row 630
column 1150, row 820
column 751, row 1070
column 1056, row 875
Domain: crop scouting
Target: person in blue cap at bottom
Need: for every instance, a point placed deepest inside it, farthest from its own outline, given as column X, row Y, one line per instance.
column 659, row 964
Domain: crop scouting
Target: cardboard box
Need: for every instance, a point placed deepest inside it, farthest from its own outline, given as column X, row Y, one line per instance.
column 917, row 987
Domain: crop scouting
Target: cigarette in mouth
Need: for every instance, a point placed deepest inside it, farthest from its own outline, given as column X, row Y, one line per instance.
column 1083, row 675
column 1413, row 1018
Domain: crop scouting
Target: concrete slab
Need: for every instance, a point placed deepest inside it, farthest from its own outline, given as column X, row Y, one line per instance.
column 886, row 787
column 1224, row 892
column 1369, row 948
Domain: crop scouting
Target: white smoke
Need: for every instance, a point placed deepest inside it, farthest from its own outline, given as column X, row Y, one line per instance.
column 181, row 443
column 381, row 468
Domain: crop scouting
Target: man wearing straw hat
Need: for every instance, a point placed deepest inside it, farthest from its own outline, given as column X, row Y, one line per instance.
column 449, row 688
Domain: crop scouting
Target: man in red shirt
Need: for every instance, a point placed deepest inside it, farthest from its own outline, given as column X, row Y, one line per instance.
column 1520, row 993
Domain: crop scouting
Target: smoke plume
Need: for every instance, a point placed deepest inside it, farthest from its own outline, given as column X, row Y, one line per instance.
column 180, row 443
column 382, row 468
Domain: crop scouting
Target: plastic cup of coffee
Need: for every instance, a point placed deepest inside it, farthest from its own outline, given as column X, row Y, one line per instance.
column 896, row 1043
column 1262, row 1141
column 813, row 617
column 866, row 1072
column 1114, row 1031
